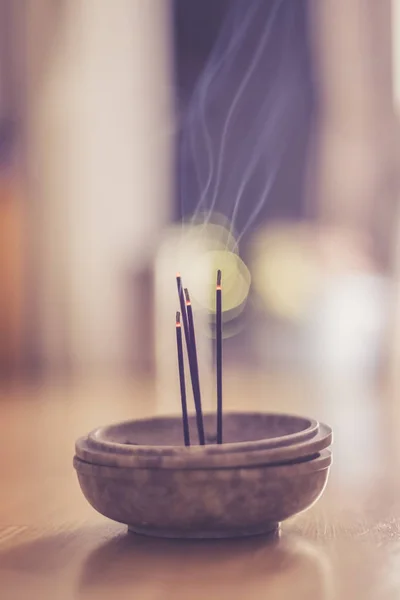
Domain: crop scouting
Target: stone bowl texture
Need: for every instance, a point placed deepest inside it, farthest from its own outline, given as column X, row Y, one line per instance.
column 139, row 473
column 204, row 503
column 159, row 441
column 119, row 455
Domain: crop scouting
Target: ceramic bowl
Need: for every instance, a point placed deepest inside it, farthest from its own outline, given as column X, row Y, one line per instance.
column 204, row 502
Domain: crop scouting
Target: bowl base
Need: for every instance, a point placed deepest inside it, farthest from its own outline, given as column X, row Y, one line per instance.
column 215, row 534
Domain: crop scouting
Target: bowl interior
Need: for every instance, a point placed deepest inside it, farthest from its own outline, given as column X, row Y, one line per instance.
column 237, row 428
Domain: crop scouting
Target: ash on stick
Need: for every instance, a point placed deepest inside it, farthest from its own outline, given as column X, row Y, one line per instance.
column 185, row 421
column 219, row 354
column 194, row 370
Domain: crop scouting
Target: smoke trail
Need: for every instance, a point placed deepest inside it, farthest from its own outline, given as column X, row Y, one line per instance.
column 268, row 186
column 235, row 30
column 278, row 92
column 236, row 132
column 265, row 133
column 234, row 104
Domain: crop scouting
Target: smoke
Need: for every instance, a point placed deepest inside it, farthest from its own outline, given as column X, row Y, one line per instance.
column 243, row 114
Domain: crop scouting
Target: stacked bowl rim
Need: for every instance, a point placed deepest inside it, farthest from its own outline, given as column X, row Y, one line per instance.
column 104, row 445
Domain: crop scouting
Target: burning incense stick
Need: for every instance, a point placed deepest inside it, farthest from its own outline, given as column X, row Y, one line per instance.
column 219, row 355
column 192, row 362
column 183, row 307
column 194, row 370
column 185, row 422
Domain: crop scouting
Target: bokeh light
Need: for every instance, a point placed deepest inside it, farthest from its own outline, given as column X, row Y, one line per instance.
column 285, row 270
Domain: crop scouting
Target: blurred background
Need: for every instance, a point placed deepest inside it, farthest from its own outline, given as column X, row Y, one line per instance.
column 140, row 138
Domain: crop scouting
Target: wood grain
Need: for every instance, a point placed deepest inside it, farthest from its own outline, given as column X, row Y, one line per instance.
column 54, row 546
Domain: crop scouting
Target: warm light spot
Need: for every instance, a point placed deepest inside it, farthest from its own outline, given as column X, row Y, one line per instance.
column 237, row 280
column 285, row 269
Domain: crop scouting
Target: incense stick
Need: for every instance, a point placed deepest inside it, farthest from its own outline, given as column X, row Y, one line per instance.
column 185, row 422
column 183, row 307
column 218, row 299
column 194, row 370
column 184, row 314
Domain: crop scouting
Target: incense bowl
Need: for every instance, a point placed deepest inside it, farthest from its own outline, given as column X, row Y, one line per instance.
column 140, row 474
column 100, row 448
column 158, row 441
column 204, row 503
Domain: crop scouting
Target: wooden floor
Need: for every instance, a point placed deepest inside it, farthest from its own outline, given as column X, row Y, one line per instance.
column 53, row 545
